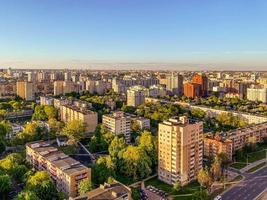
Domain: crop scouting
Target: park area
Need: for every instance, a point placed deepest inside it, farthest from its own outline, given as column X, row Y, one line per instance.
column 185, row 193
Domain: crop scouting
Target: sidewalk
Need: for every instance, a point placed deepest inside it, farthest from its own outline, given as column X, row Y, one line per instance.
column 251, row 165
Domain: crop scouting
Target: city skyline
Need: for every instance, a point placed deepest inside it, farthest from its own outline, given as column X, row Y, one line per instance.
column 178, row 35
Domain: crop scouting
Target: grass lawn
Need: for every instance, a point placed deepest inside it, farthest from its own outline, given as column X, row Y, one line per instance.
column 255, row 155
column 237, row 165
column 188, row 189
column 253, row 169
column 238, row 178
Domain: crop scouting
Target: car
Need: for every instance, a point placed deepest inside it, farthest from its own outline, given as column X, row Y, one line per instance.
column 219, row 197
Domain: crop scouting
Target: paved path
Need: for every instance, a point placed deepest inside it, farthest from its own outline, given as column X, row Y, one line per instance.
column 249, row 188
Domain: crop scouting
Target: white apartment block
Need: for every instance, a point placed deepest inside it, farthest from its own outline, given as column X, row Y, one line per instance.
column 136, row 95
column 257, row 94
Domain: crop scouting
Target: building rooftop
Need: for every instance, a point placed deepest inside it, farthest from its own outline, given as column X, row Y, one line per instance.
column 57, row 158
column 78, row 109
column 106, row 191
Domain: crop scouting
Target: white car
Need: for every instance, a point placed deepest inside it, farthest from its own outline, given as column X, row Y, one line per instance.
column 219, row 197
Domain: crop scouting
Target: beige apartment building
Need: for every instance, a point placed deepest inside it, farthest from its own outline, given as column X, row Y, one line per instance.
column 238, row 138
column 217, row 145
column 136, row 96
column 64, row 87
column 180, row 153
column 66, row 172
column 112, row 191
column 71, row 112
column 144, row 123
column 25, row 90
column 119, row 124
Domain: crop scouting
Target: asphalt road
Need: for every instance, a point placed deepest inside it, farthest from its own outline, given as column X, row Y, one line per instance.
column 249, row 188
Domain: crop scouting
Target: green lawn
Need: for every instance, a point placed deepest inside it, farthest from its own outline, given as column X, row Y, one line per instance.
column 257, row 154
column 188, row 189
column 238, row 165
column 253, row 169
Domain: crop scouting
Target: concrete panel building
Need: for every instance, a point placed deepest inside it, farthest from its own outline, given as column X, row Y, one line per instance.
column 66, row 172
column 180, row 151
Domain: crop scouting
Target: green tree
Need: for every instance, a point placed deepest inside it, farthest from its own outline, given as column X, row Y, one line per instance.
column 55, row 126
column 116, row 146
column 204, row 178
column 2, row 147
column 85, row 186
column 136, row 162
column 74, row 130
column 201, row 195
column 10, row 162
column 32, row 131
column 103, row 169
column 39, row 113
column 177, row 186
column 216, row 168
column 5, row 183
column 18, row 172
column 149, row 144
column 27, row 195
column 50, row 111
column 42, row 185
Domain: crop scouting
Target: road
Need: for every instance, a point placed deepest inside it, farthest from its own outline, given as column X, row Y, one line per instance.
column 249, row 188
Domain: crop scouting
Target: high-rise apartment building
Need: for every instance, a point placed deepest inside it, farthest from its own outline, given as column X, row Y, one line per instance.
column 180, row 151
column 64, row 170
column 191, row 90
column 119, row 124
column 257, row 94
column 64, row 87
column 202, row 80
column 136, row 95
column 174, row 83
column 25, row 90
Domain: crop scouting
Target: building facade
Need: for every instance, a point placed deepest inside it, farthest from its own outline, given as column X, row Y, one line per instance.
column 25, row 90
column 66, row 172
column 136, row 96
column 180, row 150
column 72, row 112
column 119, row 124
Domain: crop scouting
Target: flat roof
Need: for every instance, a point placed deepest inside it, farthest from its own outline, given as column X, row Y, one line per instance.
column 62, row 161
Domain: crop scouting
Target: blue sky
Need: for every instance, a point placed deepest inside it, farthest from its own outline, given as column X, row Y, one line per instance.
column 204, row 33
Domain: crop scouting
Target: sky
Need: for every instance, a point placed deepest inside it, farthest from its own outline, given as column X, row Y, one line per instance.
column 156, row 34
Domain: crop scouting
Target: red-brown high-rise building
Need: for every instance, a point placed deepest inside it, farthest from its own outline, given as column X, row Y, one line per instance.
column 202, row 80
column 192, row 90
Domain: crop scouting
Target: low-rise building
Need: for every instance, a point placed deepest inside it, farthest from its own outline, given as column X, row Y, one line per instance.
column 106, row 191
column 235, row 140
column 66, row 172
